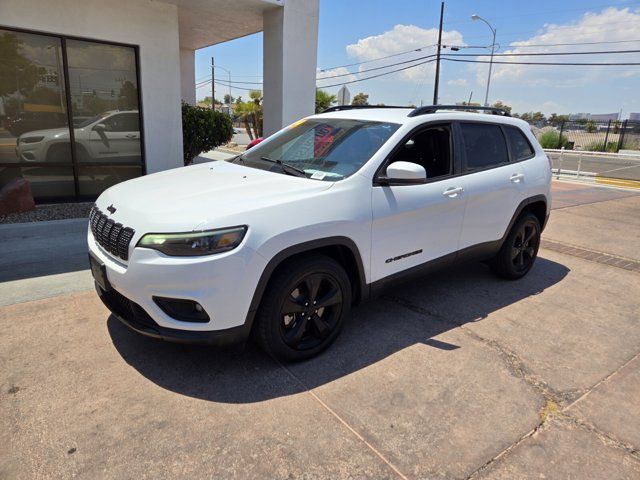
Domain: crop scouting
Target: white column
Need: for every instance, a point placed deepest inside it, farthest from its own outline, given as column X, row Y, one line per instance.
column 188, row 75
column 289, row 57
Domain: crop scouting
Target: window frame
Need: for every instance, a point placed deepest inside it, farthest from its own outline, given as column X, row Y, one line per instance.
column 75, row 164
column 379, row 179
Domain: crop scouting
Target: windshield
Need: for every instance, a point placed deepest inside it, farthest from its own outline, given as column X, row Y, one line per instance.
column 89, row 121
column 325, row 149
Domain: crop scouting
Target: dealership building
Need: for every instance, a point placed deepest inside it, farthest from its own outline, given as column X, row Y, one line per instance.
column 90, row 90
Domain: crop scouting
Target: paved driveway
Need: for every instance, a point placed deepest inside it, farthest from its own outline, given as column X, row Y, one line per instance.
column 459, row 375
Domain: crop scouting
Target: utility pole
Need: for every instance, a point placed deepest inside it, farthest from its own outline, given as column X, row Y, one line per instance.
column 213, row 85
column 435, row 86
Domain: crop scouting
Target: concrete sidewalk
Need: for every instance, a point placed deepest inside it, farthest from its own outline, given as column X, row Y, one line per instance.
column 459, row 375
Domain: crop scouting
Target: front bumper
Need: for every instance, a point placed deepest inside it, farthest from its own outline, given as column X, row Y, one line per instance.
column 222, row 284
column 134, row 317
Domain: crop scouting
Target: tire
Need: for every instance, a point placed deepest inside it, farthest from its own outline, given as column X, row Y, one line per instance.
column 519, row 250
column 289, row 326
column 59, row 152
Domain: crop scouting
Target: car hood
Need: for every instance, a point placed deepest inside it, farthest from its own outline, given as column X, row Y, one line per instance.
column 48, row 133
column 202, row 196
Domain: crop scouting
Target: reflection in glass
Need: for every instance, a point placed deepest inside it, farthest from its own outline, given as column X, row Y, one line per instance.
column 45, row 182
column 94, row 180
column 104, row 97
column 32, row 99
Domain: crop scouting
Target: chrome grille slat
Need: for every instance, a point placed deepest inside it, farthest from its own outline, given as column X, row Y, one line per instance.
column 113, row 237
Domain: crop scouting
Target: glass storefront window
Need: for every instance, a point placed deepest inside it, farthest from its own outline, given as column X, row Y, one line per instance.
column 104, row 101
column 40, row 75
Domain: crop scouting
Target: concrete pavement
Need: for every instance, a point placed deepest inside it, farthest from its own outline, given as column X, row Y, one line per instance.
column 458, row 375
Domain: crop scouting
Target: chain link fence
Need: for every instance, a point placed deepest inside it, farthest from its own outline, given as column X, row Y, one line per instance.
column 612, row 136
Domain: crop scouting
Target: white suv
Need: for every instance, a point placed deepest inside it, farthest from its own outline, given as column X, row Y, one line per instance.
column 282, row 240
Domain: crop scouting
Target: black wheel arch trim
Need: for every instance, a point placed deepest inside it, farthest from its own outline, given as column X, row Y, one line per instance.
column 276, row 260
column 523, row 205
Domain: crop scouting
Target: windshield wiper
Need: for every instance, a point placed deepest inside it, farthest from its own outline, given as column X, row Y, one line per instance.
column 286, row 167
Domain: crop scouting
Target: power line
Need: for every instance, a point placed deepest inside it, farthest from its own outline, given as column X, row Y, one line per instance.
column 570, row 44
column 545, row 63
column 540, row 53
column 378, row 75
column 380, row 58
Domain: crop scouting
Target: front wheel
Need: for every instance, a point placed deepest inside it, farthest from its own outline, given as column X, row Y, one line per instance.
column 303, row 308
column 520, row 249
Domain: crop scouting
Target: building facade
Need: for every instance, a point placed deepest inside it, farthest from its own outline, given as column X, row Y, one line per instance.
column 90, row 90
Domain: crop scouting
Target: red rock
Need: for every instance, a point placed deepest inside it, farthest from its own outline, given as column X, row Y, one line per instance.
column 16, row 197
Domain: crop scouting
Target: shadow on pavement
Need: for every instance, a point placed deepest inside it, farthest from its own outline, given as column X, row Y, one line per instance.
column 376, row 330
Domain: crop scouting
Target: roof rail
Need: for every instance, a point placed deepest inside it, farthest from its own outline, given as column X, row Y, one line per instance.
column 434, row 108
column 339, row 108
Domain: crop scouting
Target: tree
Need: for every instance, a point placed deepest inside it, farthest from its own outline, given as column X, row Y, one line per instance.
column 203, row 129
column 590, row 126
column 250, row 112
column 19, row 74
column 128, row 97
column 228, row 99
column 324, row 100
column 503, row 106
column 555, row 119
column 360, row 99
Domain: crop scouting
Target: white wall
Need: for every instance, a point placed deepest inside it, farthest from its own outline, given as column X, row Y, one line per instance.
column 188, row 75
column 290, row 55
column 152, row 26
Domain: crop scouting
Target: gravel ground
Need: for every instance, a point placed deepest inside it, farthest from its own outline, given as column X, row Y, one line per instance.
column 58, row 211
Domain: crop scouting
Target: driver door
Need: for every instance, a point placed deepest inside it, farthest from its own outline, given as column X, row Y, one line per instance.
column 119, row 140
column 415, row 224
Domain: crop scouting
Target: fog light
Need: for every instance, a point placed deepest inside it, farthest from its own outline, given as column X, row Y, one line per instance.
column 181, row 309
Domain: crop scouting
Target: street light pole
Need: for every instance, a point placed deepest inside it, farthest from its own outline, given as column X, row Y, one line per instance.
column 229, row 76
column 475, row 17
column 437, row 82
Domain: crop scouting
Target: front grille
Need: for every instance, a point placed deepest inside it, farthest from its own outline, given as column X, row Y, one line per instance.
column 111, row 236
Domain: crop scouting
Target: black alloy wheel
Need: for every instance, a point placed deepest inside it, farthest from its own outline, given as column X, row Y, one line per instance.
column 303, row 308
column 519, row 250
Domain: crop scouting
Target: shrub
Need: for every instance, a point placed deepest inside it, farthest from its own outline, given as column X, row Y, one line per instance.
column 552, row 139
column 612, row 147
column 203, row 130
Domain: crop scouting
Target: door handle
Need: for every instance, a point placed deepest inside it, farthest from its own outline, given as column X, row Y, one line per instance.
column 453, row 192
column 132, row 135
column 516, row 177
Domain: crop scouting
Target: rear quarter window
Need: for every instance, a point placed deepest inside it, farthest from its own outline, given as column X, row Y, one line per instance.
column 520, row 147
column 484, row 145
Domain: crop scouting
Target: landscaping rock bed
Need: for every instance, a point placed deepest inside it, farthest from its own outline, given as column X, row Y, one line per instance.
column 58, row 211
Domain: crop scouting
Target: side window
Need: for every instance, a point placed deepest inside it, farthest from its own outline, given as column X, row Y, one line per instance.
column 520, row 147
column 430, row 148
column 123, row 122
column 484, row 145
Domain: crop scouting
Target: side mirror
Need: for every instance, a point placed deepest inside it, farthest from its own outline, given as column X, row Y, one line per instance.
column 404, row 173
column 99, row 127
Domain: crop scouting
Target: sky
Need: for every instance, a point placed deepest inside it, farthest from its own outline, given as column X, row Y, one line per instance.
column 352, row 31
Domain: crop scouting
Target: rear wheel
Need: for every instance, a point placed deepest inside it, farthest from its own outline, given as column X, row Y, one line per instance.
column 303, row 308
column 520, row 249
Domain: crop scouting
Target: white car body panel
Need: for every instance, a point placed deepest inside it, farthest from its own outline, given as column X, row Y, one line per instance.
column 382, row 222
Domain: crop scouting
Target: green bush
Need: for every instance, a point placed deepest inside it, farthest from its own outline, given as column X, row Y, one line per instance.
column 552, row 139
column 598, row 146
column 203, row 130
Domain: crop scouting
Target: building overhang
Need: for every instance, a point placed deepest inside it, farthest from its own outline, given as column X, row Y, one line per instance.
column 208, row 22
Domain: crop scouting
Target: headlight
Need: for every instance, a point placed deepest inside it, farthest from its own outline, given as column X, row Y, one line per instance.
column 31, row 139
column 194, row 243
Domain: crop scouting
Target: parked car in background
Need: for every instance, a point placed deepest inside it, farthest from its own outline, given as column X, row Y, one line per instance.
column 254, row 142
column 282, row 240
column 29, row 121
column 112, row 135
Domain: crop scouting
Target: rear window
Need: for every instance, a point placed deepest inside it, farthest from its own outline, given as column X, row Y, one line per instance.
column 484, row 145
column 520, row 147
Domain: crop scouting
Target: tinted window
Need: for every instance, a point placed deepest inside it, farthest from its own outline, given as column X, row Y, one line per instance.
column 429, row 148
column 520, row 146
column 123, row 122
column 484, row 145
